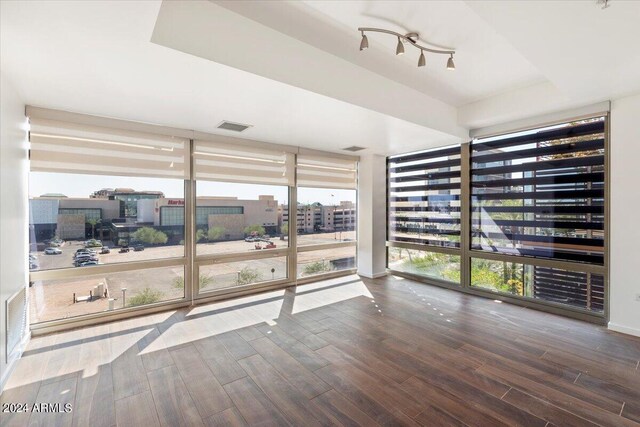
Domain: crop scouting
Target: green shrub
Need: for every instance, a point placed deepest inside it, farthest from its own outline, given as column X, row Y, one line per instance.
column 316, row 268
column 205, row 280
column 216, row 233
column 147, row 296
column 255, row 228
column 150, row 236
column 248, row 275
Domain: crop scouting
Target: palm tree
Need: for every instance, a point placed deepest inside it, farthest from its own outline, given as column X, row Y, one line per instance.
column 92, row 222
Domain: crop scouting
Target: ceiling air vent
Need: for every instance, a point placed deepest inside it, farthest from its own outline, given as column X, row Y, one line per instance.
column 236, row 127
column 353, row 148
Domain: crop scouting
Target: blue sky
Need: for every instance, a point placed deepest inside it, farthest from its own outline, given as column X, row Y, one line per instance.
column 73, row 185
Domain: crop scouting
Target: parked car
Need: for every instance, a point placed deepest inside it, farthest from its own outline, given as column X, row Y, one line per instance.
column 105, row 250
column 87, row 263
column 270, row 245
column 33, row 257
column 85, row 255
column 138, row 248
column 32, row 265
column 93, row 243
column 86, row 251
column 266, row 236
column 52, row 251
column 123, row 250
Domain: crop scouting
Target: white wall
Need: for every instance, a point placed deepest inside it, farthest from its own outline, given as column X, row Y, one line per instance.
column 372, row 215
column 625, row 205
column 13, row 204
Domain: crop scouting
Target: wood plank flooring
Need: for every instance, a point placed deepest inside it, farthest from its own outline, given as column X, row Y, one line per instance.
column 346, row 351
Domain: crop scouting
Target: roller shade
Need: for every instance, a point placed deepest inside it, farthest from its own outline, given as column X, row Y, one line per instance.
column 326, row 172
column 424, row 197
column 541, row 193
column 229, row 162
column 66, row 147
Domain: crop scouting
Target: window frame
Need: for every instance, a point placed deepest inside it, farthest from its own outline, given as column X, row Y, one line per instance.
column 467, row 253
column 190, row 261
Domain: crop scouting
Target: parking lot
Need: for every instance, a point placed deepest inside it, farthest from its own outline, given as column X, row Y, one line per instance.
column 69, row 248
column 53, row 299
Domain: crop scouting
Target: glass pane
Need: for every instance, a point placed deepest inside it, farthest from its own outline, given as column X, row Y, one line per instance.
column 424, row 197
column 427, row 264
column 96, row 219
column 233, row 217
column 325, row 261
column 241, row 273
column 97, row 293
column 326, row 216
column 578, row 289
column 540, row 193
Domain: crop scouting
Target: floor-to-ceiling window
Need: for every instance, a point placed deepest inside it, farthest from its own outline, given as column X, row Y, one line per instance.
column 530, row 215
column 240, row 194
column 86, row 255
column 424, row 213
column 125, row 215
column 325, row 215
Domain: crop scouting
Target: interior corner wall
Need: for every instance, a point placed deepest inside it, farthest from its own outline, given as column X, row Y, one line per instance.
column 14, row 222
column 372, row 215
column 624, row 253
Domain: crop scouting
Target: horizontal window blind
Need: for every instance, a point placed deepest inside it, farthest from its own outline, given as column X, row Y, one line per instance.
column 424, row 197
column 541, row 193
column 66, row 147
column 228, row 162
column 326, row 172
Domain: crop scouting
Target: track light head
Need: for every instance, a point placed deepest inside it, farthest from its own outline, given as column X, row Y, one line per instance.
column 399, row 47
column 422, row 61
column 450, row 64
column 364, row 43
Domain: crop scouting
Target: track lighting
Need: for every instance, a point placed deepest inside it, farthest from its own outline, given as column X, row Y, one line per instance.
column 450, row 64
column 422, row 61
column 412, row 38
column 364, row 43
column 399, row 47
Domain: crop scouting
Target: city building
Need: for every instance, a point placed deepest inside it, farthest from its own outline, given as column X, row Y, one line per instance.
column 128, row 196
column 315, row 217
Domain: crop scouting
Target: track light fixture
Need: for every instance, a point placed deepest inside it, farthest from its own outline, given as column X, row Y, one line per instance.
column 412, row 39
column 364, row 43
column 399, row 47
column 421, row 60
column 450, row 64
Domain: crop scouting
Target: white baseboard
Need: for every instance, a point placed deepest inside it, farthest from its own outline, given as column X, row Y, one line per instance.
column 12, row 363
column 624, row 329
column 372, row 276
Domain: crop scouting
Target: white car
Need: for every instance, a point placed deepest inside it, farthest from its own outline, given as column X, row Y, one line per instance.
column 52, row 251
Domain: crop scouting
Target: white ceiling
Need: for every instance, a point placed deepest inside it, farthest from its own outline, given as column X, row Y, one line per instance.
column 293, row 70
column 332, row 27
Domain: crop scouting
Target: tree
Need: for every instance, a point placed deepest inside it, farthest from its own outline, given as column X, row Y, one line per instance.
column 92, row 222
column 200, row 235
column 285, row 228
column 216, row 233
column 254, row 229
column 150, row 236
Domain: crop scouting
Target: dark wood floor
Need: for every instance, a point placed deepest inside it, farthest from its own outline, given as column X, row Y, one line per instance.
column 340, row 352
